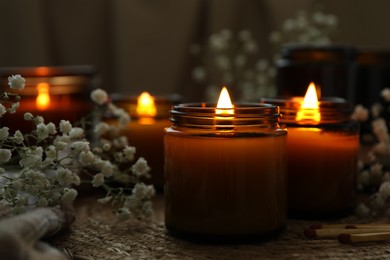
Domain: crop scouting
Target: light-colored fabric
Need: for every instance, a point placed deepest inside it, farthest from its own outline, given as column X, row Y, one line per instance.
column 20, row 236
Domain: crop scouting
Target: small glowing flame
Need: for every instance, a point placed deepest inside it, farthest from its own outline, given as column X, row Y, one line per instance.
column 43, row 98
column 224, row 103
column 309, row 108
column 146, row 106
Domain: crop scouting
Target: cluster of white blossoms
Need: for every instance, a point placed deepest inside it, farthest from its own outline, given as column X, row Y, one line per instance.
column 231, row 59
column 41, row 168
column 374, row 165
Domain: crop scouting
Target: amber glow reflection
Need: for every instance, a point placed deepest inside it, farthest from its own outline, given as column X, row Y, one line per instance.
column 224, row 103
column 43, row 98
column 309, row 109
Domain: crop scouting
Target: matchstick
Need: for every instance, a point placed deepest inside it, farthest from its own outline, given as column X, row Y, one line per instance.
column 368, row 237
column 350, row 226
column 334, row 233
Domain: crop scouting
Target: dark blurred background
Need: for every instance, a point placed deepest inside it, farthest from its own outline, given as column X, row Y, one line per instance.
column 139, row 45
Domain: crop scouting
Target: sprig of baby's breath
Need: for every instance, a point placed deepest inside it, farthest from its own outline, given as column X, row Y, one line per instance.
column 231, row 59
column 41, row 168
column 374, row 164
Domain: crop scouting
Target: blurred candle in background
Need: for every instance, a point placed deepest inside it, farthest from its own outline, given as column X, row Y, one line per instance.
column 56, row 93
column 149, row 117
column 322, row 150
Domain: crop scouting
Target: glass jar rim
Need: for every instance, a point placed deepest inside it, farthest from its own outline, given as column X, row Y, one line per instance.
column 203, row 115
column 333, row 110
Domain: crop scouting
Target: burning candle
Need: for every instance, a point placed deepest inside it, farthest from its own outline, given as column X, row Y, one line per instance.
column 149, row 118
column 56, row 93
column 322, row 151
column 225, row 171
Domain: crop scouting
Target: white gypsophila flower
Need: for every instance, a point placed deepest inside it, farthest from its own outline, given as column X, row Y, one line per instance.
column 362, row 210
column 65, row 126
column 51, row 128
column 147, row 208
column 199, row 73
column 76, row 133
column 227, row 34
column 384, row 190
column 66, row 177
column 32, row 158
column 16, row 82
column 18, row 137
column 69, row 196
column 222, row 62
column 107, row 169
column 262, row 65
column 129, row 152
column 124, row 118
column 101, row 128
column 376, row 109
column 86, row 158
column 360, row 113
column 98, row 180
column 39, row 120
column 106, row 147
column 376, row 169
column 51, row 152
column 79, row 146
column 143, row 191
column 4, row 133
column 99, row 96
column 275, row 37
column 251, row 46
column 28, row 116
column 140, row 168
column 5, row 155
column 3, row 110
column 217, row 42
column 385, row 93
column 240, row 60
column 123, row 214
column 14, row 107
column 42, row 131
column 120, row 142
column 379, row 127
column 364, row 178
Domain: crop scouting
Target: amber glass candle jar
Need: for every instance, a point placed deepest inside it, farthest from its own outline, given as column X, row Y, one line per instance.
column 149, row 117
column 56, row 93
column 225, row 173
column 322, row 158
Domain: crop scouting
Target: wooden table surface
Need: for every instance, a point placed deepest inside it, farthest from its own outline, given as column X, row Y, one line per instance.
column 96, row 235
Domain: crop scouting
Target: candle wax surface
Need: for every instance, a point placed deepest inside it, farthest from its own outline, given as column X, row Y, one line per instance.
column 321, row 171
column 225, row 185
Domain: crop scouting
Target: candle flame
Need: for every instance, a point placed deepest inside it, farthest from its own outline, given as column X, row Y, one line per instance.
column 146, row 106
column 309, row 109
column 43, row 98
column 224, row 103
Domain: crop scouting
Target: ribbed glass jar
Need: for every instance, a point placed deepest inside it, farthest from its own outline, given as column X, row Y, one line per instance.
column 225, row 173
column 322, row 158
